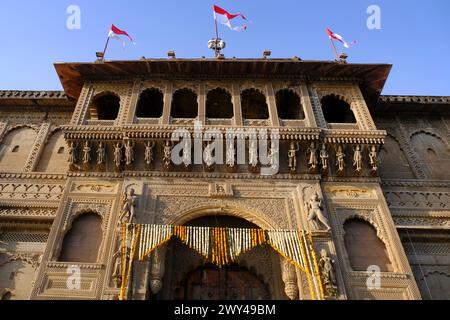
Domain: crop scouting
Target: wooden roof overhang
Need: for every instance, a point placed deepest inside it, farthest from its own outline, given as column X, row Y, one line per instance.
column 371, row 77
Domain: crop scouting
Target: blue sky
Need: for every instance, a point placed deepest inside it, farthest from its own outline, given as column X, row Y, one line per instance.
column 414, row 37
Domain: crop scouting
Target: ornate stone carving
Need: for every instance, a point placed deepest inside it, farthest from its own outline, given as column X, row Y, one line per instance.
column 148, row 154
column 357, row 159
column 327, row 271
column 167, row 156
column 312, row 156
column 290, row 280
column 340, row 159
column 86, row 153
column 118, row 154
column 129, row 202
column 101, row 153
column 315, row 213
column 158, row 269
column 324, row 157
column 373, row 159
column 129, row 152
column 294, row 147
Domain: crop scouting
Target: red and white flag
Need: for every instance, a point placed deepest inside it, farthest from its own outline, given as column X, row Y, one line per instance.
column 224, row 17
column 339, row 38
column 115, row 33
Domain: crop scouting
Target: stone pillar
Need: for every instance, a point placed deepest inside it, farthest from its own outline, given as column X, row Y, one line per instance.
column 307, row 107
column 290, row 279
column 167, row 103
column 129, row 113
column 82, row 107
column 202, row 104
column 37, row 148
column 272, row 104
column 237, row 105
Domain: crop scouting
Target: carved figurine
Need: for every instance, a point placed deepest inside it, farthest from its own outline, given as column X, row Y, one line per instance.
column 86, row 153
column 292, row 155
column 357, row 159
column 340, row 159
column 316, row 212
column 312, row 151
column 101, row 153
column 253, row 154
column 129, row 152
column 187, row 157
column 326, row 267
column 148, row 156
column 231, row 155
column 373, row 156
column 118, row 154
column 167, row 157
column 324, row 157
column 72, row 153
column 129, row 202
column 273, row 155
column 207, row 156
column 117, row 271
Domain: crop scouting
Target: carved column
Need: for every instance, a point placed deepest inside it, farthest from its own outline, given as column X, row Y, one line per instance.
column 158, row 269
column 129, row 112
column 290, row 279
column 167, row 103
column 361, row 110
column 272, row 104
column 307, row 106
column 202, row 104
column 316, row 107
column 237, row 105
column 37, row 148
column 79, row 115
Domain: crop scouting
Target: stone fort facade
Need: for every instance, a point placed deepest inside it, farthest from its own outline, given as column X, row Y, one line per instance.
column 385, row 183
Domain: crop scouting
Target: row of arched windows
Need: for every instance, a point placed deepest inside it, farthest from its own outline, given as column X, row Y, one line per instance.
column 219, row 105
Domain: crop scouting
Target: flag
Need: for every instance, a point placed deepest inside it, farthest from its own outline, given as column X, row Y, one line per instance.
column 115, row 33
column 224, row 17
column 339, row 38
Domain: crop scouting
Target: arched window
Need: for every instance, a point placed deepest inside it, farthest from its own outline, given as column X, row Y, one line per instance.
column 151, row 104
column 393, row 162
column 53, row 157
column 105, row 107
column 336, row 110
column 15, row 149
column 82, row 242
column 219, row 105
column 433, row 153
column 184, row 104
column 254, row 105
column 364, row 248
column 288, row 105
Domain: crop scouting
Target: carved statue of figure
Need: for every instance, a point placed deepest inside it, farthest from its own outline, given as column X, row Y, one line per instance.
column 292, row 155
column 357, row 158
column 253, row 154
column 158, row 269
column 117, row 271
column 167, row 157
column 273, row 155
column 312, row 151
column 326, row 266
column 72, row 153
column 187, row 157
column 373, row 156
column 316, row 212
column 289, row 278
column 86, row 153
column 207, row 156
column 148, row 157
column 324, row 156
column 231, row 155
column 118, row 154
column 129, row 153
column 101, row 153
column 340, row 159
column 129, row 202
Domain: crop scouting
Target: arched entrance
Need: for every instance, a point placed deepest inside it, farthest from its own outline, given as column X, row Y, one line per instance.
column 228, row 283
column 255, row 275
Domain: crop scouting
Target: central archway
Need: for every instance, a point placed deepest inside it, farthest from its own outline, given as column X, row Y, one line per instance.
column 255, row 275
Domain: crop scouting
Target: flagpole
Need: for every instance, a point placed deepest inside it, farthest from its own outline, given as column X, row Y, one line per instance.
column 334, row 47
column 217, row 36
column 106, row 46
